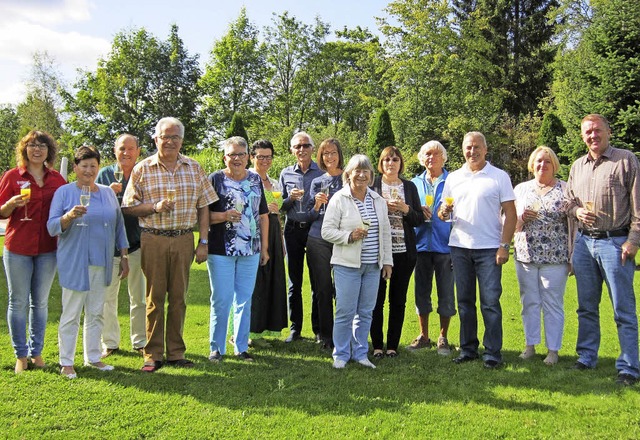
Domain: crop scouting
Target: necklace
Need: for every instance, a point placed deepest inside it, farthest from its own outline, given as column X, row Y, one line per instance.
column 544, row 185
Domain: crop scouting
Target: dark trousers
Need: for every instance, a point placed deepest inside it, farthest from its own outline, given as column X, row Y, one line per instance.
column 319, row 257
column 403, row 266
column 296, row 242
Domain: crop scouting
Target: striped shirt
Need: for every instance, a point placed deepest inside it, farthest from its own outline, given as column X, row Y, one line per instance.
column 612, row 184
column 370, row 244
column 149, row 182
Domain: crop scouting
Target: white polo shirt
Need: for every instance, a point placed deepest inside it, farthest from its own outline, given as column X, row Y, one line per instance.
column 477, row 199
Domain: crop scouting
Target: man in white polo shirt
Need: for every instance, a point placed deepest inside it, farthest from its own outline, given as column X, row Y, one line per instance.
column 481, row 194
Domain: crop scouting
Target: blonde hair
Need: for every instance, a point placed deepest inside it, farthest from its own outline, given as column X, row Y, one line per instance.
column 555, row 163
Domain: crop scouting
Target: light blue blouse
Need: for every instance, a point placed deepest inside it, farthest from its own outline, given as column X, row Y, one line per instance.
column 76, row 243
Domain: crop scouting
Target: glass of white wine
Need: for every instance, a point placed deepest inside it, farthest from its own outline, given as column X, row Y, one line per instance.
column 118, row 174
column 324, row 190
column 25, row 192
column 85, row 199
column 238, row 204
column 171, row 194
column 300, row 187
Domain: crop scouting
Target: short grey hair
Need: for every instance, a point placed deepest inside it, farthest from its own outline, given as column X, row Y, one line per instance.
column 422, row 154
column 168, row 121
column 357, row 162
column 302, row 134
column 234, row 141
column 476, row 134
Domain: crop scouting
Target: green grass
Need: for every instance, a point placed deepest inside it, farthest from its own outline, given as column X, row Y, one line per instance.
column 291, row 391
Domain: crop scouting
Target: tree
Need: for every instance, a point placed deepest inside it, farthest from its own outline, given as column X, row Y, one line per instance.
column 141, row 80
column 601, row 74
column 234, row 78
column 550, row 130
column 380, row 135
column 8, row 137
column 236, row 128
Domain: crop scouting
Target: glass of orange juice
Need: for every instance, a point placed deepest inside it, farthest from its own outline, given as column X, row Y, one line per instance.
column 25, row 192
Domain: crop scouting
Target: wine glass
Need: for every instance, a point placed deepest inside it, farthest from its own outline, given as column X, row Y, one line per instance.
column 428, row 201
column 171, row 194
column 238, row 204
column 589, row 206
column 118, row 173
column 25, row 192
column 300, row 187
column 276, row 192
column 324, row 190
column 449, row 202
column 85, row 198
column 393, row 194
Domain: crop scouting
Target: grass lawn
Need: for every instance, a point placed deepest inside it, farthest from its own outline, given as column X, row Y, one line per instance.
column 291, row 391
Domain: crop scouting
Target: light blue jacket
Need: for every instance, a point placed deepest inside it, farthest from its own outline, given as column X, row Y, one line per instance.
column 74, row 242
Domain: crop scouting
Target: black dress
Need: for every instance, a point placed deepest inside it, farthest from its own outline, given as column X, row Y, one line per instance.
column 269, row 301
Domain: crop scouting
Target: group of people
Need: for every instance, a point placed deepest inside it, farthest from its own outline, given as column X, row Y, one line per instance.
column 360, row 232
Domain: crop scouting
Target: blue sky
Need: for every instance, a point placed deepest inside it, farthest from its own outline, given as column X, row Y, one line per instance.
column 78, row 32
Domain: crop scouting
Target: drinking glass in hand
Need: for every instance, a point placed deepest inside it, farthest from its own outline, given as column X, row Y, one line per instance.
column 449, row 202
column 25, row 192
column 428, row 201
column 85, row 199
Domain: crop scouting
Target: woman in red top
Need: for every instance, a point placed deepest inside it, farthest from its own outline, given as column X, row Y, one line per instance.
column 29, row 251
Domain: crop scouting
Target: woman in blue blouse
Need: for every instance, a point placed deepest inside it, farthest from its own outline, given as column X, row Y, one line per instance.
column 238, row 242
column 85, row 258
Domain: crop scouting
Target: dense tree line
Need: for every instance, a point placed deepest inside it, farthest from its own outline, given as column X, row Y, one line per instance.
column 521, row 71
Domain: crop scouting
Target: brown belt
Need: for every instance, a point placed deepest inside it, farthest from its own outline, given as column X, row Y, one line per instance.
column 166, row 232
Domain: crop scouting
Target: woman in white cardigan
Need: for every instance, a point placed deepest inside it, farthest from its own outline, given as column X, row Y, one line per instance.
column 357, row 223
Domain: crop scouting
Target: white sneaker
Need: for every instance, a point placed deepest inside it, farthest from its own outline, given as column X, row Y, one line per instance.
column 366, row 363
column 100, row 366
column 339, row 363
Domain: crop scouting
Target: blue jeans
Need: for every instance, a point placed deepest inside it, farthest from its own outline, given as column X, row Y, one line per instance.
column 232, row 282
column 469, row 264
column 595, row 261
column 356, row 294
column 29, row 280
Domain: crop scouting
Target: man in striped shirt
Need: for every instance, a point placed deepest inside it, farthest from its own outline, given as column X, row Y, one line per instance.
column 603, row 194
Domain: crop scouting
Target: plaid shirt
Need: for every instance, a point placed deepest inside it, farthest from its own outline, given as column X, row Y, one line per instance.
column 613, row 184
column 149, row 181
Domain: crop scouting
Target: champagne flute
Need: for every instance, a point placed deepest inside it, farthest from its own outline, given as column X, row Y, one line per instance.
column 118, row 174
column 449, row 202
column 25, row 192
column 428, row 201
column 276, row 192
column 393, row 194
column 300, row 187
column 324, row 190
column 366, row 224
column 171, row 194
column 85, row 199
column 238, row 204
column 589, row 206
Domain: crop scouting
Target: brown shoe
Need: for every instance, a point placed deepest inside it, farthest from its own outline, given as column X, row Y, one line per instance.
column 108, row 352
column 419, row 343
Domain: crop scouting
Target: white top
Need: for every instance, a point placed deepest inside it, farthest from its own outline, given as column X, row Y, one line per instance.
column 477, row 200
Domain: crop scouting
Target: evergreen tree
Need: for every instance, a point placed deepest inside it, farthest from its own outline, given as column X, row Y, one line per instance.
column 550, row 130
column 8, row 137
column 380, row 134
column 236, row 128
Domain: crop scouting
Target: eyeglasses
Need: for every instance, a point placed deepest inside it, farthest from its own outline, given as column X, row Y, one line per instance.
column 300, row 146
column 36, row 145
column 173, row 138
column 260, row 157
column 236, row 155
column 330, row 153
column 391, row 159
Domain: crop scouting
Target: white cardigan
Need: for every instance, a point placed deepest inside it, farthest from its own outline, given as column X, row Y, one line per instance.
column 342, row 217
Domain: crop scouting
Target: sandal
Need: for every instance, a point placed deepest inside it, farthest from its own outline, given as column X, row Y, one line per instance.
column 392, row 353
column 151, row 368
column 378, row 354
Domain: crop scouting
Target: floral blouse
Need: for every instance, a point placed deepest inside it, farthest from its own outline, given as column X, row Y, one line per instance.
column 546, row 239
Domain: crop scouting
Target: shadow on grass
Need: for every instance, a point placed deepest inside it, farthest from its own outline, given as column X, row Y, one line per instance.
column 299, row 377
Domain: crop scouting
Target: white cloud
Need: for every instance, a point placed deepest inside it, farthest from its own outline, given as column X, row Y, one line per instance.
column 46, row 11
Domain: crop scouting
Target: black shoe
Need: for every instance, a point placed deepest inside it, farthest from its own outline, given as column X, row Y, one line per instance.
column 490, row 364
column 318, row 338
column 244, row 356
column 626, row 380
column 464, row 358
column 215, row 357
column 580, row 366
column 181, row 363
column 293, row 336
column 327, row 344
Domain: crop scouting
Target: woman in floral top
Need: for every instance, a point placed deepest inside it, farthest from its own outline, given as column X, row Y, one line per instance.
column 238, row 242
column 542, row 253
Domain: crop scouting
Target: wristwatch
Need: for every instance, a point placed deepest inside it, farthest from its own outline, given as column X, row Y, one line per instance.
column 203, row 241
column 505, row 246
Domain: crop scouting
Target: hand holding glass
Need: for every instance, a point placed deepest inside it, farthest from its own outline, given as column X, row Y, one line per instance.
column 25, row 192
column 85, row 199
column 428, row 201
column 449, row 202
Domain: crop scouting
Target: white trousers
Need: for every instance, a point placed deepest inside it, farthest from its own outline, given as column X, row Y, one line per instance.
column 137, row 286
column 73, row 302
column 542, row 289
